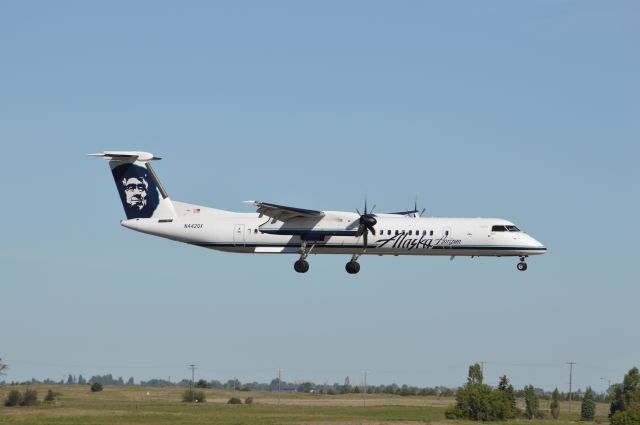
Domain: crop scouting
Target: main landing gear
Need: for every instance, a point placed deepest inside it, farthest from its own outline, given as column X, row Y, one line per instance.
column 522, row 266
column 353, row 266
column 302, row 265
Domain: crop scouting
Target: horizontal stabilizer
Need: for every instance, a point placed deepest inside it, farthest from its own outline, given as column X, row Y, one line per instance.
column 126, row 156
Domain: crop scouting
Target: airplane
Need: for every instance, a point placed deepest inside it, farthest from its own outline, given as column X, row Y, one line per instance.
column 280, row 229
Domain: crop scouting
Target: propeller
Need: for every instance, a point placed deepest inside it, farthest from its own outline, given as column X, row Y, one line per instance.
column 366, row 222
column 415, row 208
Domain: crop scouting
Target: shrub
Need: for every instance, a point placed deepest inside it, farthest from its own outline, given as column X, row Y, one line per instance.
column 191, row 396
column 30, row 397
column 51, row 396
column 234, row 400
column 202, row 384
column 248, row 400
column 95, row 387
column 13, row 398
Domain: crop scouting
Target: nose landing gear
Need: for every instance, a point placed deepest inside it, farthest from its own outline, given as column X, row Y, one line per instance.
column 522, row 266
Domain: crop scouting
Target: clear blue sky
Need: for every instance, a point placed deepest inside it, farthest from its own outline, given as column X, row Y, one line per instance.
column 523, row 110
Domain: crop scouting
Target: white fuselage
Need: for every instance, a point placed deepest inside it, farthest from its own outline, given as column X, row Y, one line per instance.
column 394, row 234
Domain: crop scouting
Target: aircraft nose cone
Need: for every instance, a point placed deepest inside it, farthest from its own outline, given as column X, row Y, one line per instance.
column 537, row 244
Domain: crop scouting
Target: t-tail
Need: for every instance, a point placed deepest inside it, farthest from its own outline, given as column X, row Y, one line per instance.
column 140, row 191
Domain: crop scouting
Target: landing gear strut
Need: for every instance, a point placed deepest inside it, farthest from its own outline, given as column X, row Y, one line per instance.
column 353, row 266
column 302, row 265
column 522, row 266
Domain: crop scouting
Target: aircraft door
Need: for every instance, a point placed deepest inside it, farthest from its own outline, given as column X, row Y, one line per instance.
column 238, row 235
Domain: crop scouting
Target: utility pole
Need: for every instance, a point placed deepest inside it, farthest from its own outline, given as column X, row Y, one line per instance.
column 570, row 381
column 193, row 374
column 364, row 393
column 608, row 385
column 279, row 381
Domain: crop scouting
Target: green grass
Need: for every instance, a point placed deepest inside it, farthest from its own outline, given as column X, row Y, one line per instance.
column 139, row 405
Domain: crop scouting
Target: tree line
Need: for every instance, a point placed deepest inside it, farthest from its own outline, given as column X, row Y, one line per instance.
column 478, row 401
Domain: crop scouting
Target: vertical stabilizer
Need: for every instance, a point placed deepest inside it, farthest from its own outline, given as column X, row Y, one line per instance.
column 141, row 193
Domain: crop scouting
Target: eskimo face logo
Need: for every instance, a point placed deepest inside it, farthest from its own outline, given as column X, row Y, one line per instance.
column 136, row 191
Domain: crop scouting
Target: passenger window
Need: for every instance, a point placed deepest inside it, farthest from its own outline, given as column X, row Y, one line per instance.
column 424, row 233
column 397, row 232
column 382, row 232
column 431, row 233
column 498, row 229
column 255, row 230
column 389, row 232
column 410, row 232
column 446, row 233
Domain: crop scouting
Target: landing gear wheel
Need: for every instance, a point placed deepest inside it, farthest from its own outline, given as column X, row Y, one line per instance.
column 301, row 266
column 352, row 267
column 522, row 266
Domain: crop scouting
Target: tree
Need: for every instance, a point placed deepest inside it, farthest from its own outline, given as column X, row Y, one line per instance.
column 625, row 405
column 81, row 380
column 3, row 368
column 509, row 409
column 346, row 388
column 555, row 404
column 475, row 374
column 96, row 387
column 70, row 380
column 202, row 384
column 305, row 387
column 531, row 402
column 130, row 381
column 588, row 408
column 480, row 402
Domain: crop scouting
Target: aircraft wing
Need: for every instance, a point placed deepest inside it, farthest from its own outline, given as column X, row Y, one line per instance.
column 282, row 212
column 408, row 212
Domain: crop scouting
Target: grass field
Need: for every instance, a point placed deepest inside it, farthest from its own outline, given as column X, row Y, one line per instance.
column 146, row 405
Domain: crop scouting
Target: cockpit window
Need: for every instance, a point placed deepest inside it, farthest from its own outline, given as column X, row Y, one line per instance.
column 513, row 228
column 498, row 229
